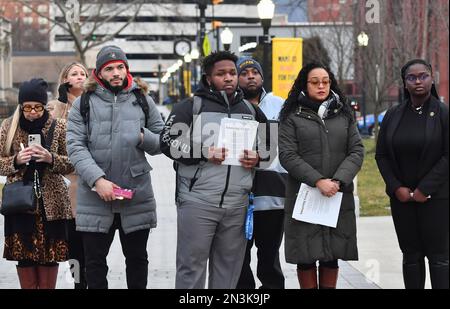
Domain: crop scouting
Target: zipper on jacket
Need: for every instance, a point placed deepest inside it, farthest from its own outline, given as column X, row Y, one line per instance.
column 224, row 95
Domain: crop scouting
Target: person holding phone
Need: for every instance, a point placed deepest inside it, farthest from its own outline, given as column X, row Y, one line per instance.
column 71, row 81
column 33, row 148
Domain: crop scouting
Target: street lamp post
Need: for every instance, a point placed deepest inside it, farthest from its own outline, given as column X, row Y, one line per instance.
column 202, row 4
column 266, row 10
column 227, row 38
column 195, row 54
column 187, row 77
column 363, row 41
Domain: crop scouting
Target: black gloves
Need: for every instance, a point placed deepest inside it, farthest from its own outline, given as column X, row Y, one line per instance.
column 62, row 92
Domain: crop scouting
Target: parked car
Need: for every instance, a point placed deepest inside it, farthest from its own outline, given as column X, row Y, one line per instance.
column 370, row 123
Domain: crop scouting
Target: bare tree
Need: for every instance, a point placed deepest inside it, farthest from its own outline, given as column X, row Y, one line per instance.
column 401, row 35
column 82, row 20
column 25, row 37
column 314, row 51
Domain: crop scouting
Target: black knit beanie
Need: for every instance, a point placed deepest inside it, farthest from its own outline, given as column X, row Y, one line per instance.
column 33, row 90
column 247, row 62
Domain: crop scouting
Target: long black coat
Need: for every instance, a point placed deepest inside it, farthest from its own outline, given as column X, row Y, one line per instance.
column 309, row 151
column 433, row 170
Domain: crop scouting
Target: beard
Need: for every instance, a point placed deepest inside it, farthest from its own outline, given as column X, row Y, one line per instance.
column 252, row 93
column 115, row 89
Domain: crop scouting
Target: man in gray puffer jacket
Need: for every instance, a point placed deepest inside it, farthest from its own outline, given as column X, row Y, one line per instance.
column 108, row 150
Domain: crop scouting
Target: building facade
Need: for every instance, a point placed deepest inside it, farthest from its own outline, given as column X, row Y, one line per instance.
column 30, row 24
column 149, row 41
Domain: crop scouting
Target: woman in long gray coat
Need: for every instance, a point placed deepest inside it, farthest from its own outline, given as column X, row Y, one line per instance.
column 319, row 146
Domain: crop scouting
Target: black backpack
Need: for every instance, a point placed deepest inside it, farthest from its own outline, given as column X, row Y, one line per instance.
column 140, row 97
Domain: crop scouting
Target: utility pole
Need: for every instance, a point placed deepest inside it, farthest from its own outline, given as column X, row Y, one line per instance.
column 202, row 4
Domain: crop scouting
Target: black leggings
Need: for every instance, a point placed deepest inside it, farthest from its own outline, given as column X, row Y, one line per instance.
column 30, row 263
column 328, row 264
column 422, row 229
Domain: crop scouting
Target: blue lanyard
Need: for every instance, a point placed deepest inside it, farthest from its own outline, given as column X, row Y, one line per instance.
column 249, row 219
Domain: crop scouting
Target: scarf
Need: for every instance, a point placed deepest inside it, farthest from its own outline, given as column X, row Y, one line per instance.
column 324, row 109
column 34, row 127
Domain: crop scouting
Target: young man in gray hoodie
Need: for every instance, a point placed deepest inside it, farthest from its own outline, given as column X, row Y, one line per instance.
column 211, row 197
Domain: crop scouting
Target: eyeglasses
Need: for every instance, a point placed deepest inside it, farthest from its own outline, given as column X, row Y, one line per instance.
column 37, row 108
column 316, row 82
column 411, row 78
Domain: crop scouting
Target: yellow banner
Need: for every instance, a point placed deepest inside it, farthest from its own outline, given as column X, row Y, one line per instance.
column 286, row 63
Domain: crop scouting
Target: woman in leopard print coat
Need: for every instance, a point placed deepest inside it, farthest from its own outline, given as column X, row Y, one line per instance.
column 36, row 240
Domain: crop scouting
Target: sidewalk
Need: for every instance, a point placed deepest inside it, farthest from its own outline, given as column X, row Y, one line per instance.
column 162, row 247
column 380, row 256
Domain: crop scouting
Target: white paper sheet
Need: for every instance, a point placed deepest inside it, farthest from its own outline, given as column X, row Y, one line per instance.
column 313, row 207
column 236, row 135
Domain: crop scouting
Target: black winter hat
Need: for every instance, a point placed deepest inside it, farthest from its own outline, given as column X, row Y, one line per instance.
column 33, row 90
column 107, row 54
column 247, row 62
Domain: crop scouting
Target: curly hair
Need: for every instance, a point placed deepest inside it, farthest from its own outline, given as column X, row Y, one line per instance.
column 209, row 61
column 404, row 70
column 300, row 85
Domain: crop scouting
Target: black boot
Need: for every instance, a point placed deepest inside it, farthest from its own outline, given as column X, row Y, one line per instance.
column 438, row 271
column 414, row 270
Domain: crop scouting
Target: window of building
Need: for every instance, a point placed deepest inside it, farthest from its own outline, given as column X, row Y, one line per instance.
column 42, row 8
column 26, row 9
column 248, row 39
column 43, row 21
column 28, row 20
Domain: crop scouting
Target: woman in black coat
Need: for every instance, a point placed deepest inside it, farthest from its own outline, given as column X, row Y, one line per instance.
column 319, row 145
column 412, row 156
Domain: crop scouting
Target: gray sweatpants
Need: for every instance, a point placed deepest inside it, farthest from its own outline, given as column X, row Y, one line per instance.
column 207, row 232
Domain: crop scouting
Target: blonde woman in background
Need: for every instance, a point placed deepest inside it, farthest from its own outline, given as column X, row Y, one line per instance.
column 71, row 81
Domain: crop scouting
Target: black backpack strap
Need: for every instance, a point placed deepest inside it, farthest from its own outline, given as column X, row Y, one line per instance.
column 50, row 133
column 142, row 100
column 85, row 106
column 251, row 107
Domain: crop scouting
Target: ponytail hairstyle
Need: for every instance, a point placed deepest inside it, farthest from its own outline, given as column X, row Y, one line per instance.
column 300, row 84
column 14, row 124
column 405, row 68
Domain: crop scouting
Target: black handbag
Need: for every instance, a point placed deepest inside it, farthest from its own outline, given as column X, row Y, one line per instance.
column 18, row 197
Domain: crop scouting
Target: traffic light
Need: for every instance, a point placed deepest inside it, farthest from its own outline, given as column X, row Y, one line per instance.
column 214, row 2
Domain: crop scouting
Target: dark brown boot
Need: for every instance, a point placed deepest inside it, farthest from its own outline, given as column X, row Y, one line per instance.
column 328, row 277
column 307, row 278
column 47, row 276
column 28, row 277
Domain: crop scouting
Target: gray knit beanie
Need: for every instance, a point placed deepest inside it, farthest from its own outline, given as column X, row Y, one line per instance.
column 107, row 54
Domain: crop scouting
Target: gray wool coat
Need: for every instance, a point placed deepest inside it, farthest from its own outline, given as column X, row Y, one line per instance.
column 311, row 150
column 112, row 150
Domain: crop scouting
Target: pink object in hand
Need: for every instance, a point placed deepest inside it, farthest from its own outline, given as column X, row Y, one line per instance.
column 123, row 193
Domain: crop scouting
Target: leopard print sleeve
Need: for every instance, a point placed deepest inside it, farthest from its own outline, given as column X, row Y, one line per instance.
column 7, row 167
column 61, row 162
